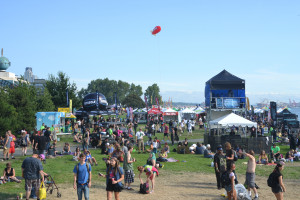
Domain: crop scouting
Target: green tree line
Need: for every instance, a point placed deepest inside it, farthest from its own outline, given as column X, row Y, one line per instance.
column 19, row 104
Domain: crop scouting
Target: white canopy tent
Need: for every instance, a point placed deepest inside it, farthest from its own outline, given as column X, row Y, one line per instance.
column 186, row 114
column 199, row 110
column 231, row 120
column 170, row 114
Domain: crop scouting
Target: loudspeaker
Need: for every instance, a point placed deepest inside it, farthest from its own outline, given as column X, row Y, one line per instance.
column 273, row 110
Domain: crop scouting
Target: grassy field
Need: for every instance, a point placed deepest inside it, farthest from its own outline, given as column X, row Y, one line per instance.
column 61, row 168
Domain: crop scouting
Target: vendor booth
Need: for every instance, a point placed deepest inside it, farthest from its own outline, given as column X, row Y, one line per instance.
column 186, row 114
column 141, row 115
column 154, row 111
column 57, row 119
column 170, row 114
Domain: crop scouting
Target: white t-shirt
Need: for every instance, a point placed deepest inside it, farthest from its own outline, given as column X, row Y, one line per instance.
column 139, row 135
column 154, row 144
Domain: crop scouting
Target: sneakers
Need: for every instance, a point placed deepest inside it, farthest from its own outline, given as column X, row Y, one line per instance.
column 255, row 198
column 129, row 188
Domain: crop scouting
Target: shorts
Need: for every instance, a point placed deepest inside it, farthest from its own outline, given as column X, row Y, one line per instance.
column 6, row 151
column 12, row 150
column 113, row 187
column 277, row 189
column 129, row 176
column 166, row 134
column 250, row 180
column 35, row 183
column 228, row 188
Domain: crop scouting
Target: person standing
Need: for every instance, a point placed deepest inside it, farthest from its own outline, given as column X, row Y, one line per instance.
column 41, row 144
column 250, row 174
column 86, row 139
column 32, row 172
column 220, row 166
column 6, row 146
column 114, row 177
column 128, row 168
column 82, row 177
column 230, row 158
column 166, row 132
column 24, row 142
column 12, row 144
column 278, row 187
column 47, row 134
column 172, row 134
column 139, row 140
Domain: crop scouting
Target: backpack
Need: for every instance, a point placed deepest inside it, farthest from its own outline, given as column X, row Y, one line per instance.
column 235, row 157
column 23, row 141
column 144, row 188
column 225, row 180
column 87, row 168
column 271, row 180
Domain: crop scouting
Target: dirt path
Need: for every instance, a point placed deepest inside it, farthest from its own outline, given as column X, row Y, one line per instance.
column 184, row 186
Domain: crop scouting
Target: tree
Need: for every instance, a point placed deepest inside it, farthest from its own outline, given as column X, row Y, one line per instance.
column 23, row 99
column 8, row 114
column 44, row 102
column 58, row 86
column 109, row 87
column 134, row 101
column 151, row 93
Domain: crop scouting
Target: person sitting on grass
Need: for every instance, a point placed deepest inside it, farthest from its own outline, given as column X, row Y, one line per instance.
column 289, row 156
column 151, row 172
column 9, row 174
column 67, row 149
column 275, row 152
column 89, row 158
column 163, row 156
column 263, row 158
column 207, row 152
column 77, row 152
column 166, row 148
column 77, row 138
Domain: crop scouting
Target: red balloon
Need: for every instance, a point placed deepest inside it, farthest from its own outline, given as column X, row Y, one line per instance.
column 156, row 30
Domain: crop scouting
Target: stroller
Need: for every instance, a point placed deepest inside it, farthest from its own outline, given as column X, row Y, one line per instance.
column 51, row 186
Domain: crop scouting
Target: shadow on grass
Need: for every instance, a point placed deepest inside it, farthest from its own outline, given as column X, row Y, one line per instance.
column 9, row 196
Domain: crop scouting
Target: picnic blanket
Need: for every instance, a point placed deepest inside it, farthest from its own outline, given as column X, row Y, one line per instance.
column 172, row 160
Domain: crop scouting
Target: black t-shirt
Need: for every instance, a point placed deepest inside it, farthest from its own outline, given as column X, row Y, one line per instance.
column 229, row 154
column 47, row 135
column 276, row 176
column 42, row 140
column 221, row 161
column 34, row 139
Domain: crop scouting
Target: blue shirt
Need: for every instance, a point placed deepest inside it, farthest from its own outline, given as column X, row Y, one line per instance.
column 82, row 174
column 32, row 167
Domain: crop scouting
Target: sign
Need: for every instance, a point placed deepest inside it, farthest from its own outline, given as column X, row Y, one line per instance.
column 70, row 105
column 65, row 110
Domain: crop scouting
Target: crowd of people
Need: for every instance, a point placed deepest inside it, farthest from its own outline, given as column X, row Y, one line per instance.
column 120, row 162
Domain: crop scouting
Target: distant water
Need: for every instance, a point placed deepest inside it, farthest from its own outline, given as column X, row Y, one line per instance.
column 296, row 111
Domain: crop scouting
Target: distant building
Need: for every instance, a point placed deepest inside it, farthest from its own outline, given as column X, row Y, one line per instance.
column 28, row 75
column 40, row 85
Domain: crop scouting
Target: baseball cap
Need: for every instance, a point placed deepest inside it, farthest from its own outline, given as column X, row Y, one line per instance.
column 208, row 145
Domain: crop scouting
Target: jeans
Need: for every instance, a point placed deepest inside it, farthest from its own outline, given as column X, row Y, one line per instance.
column 85, row 146
column 84, row 189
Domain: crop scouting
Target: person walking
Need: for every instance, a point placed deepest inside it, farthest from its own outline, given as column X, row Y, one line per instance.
column 220, row 166
column 128, row 168
column 41, row 143
column 32, row 172
column 250, row 174
column 277, row 184
column 139, row 140
column 82, row 177
column 6, row 146
column 24, row 142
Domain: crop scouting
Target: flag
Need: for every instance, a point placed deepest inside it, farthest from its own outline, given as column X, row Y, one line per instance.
column 67, row 94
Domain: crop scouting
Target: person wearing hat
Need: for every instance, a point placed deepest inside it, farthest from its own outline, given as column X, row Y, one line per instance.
column 207, row 152
column 220, row 166
column 278, row 187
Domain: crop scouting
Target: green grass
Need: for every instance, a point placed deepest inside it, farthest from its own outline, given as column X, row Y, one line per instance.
column 61, row 168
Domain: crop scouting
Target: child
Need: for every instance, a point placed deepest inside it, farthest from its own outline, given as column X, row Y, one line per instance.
column 89, row 158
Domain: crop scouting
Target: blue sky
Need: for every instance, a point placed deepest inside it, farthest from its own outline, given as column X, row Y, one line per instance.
column 255, row 40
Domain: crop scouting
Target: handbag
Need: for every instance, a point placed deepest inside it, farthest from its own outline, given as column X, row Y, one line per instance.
column 42, row 191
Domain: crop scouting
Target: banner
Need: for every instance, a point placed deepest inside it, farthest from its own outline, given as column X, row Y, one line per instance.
column 65, row 110
column 67, row 94
column 116, row 108
column 70, row 105
column 157, row 102
column 146, row 102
